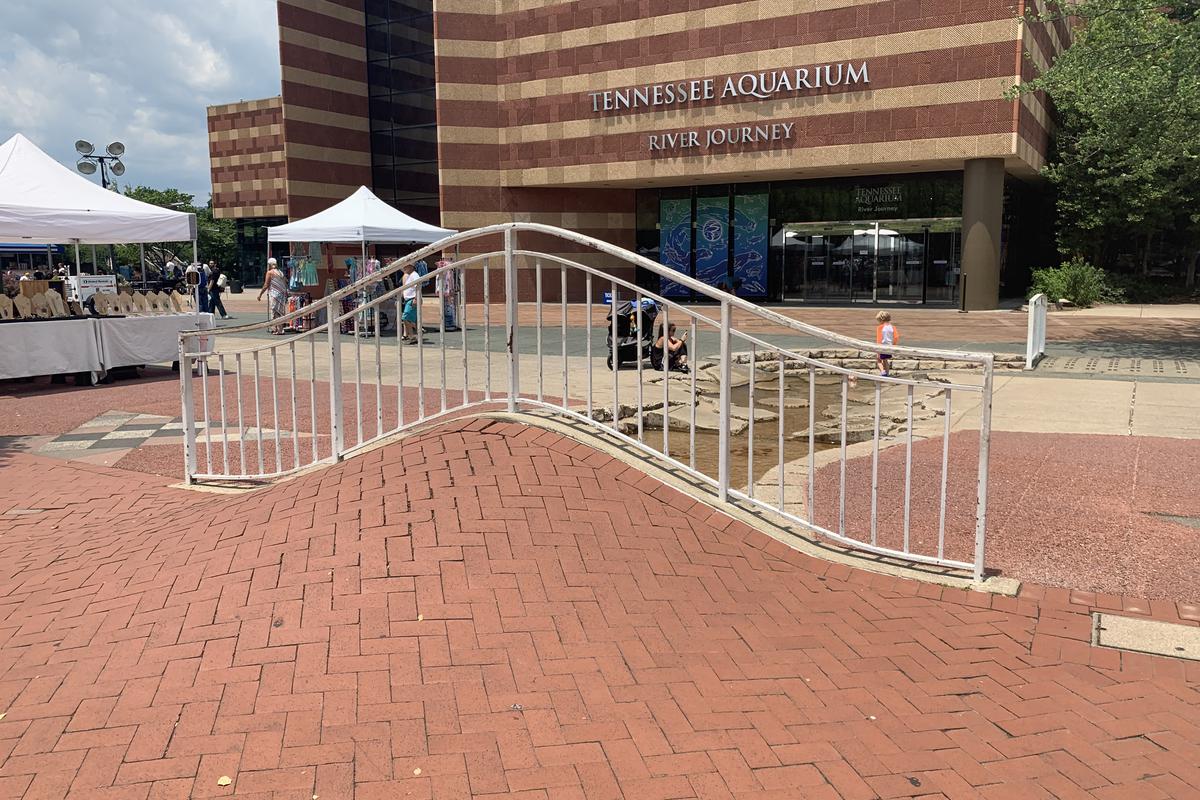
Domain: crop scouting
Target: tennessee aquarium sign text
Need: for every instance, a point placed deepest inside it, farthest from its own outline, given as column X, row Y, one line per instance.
column 756, row 85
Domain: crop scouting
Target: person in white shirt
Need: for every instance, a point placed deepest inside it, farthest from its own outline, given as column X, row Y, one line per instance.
column 411, row 298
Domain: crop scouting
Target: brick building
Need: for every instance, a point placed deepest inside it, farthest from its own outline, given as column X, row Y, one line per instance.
column 828, row 151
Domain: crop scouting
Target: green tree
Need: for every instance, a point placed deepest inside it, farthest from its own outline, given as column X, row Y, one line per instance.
column 1126, row 163
column 216, row 238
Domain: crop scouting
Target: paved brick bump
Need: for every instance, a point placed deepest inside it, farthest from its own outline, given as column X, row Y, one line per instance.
column 491, row 610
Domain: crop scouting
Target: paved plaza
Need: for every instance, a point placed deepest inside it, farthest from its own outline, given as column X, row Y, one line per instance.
column 466, row 612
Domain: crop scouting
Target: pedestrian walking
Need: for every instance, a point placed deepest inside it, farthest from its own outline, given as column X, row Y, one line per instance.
column 217, row 283
column 886, row 333
column 275, row 287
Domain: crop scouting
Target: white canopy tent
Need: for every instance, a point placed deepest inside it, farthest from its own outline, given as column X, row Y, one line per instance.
column 43, row 202
column 362, row 217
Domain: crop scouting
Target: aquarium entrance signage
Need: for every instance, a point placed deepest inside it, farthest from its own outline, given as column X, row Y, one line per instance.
column 756, row 85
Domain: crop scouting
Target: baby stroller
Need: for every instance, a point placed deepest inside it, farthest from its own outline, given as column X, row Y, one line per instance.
column 631, row 343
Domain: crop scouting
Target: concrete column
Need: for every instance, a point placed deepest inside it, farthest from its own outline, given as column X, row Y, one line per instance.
column 983, row 208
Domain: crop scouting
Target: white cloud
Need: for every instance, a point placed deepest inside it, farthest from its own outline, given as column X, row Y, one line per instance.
column 138, row 71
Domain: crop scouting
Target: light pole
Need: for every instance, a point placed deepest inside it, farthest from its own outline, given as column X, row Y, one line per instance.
column 87, row 165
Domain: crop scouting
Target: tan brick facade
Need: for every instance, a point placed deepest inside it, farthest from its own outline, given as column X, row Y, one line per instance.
column 246, row 154
column 523, row 134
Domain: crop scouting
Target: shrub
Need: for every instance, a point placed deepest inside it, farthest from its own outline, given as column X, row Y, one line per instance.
column 1075, row 280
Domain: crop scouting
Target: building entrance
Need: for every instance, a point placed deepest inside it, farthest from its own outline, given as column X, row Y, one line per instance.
column 912, row 260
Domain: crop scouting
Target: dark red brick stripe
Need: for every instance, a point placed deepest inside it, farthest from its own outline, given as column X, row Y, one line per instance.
column 329, row 171
column 315, row 133
column 249, row 172
column 306, row 96
column 245, row 119
column 788, row 30
column 325, row 63
column 535, row 200
column 858, row 127
column 908, row 69
column 323, row 25
column 574, row 15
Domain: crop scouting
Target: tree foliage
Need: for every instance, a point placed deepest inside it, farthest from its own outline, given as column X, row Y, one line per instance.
column 1126, row 165
column 216, row 238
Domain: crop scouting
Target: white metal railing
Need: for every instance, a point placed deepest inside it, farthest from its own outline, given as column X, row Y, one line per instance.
column 307, row 399
column 1035, row 337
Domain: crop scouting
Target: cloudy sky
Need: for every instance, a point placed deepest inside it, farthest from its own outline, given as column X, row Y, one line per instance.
column 138, row 71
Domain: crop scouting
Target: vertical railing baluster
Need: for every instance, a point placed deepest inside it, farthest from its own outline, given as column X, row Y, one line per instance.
column 399, row 363
column 378, row 372
column 419, row 302
column 224, row 426
column 812, row 441
column 461, row 322
column 726, row 371
column 666, row 379
column 562, row 296
column 640, row 381
column 512, row 317
column 442, row 334
column 312, row 394
column 208, row 465
column 875, row 465
column 337, row 414
column 358, row 415
column 188, row 408
column 692, row 378
column 985, row 438
column 295, row 417
column 908, row 443
column 750, row 423
column 614, row 354
column 588, row 314
column 487, row 330
column 275, row 405
column 779, row 444
column 842, row 484
column 237, row 365
column 258, row 416
column 945, row 477
column 537, row 268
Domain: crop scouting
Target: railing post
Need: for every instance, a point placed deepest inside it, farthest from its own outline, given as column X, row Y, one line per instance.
column 336, row 413
column 510, row 305
column 726, row 379
column 985, row 436
column 187, row 402
column 1035, row 334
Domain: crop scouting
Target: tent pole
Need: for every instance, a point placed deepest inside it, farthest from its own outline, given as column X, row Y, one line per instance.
column 95, row 267
column 195, row 251
column 142, row 254
column 78, row 264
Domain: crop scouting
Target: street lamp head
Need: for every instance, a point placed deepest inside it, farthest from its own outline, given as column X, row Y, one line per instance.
column 116, row 149
column 86, row 167
column 84, row 147
column 118, row 168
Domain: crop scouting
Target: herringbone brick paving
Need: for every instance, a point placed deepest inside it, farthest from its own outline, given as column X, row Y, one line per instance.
column 490, row 610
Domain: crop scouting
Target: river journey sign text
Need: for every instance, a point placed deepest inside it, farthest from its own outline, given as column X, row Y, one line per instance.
column 758, row 85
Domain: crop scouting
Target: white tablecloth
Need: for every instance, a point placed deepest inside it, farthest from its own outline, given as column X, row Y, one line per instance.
column 52, row 347
column 130, row 341
column 95, row 344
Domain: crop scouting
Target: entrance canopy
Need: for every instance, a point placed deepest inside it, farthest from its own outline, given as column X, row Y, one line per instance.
column 361, row 217
column 43, row 202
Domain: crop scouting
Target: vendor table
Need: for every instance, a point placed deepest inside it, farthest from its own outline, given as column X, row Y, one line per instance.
column 92, row 344
column 49, row 347
column 131, row 341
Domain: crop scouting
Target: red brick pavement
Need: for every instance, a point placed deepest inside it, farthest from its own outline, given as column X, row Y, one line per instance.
column 469, row 613
column 1080, row 511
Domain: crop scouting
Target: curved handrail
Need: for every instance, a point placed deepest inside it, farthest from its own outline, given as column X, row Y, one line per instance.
column 630, row 257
